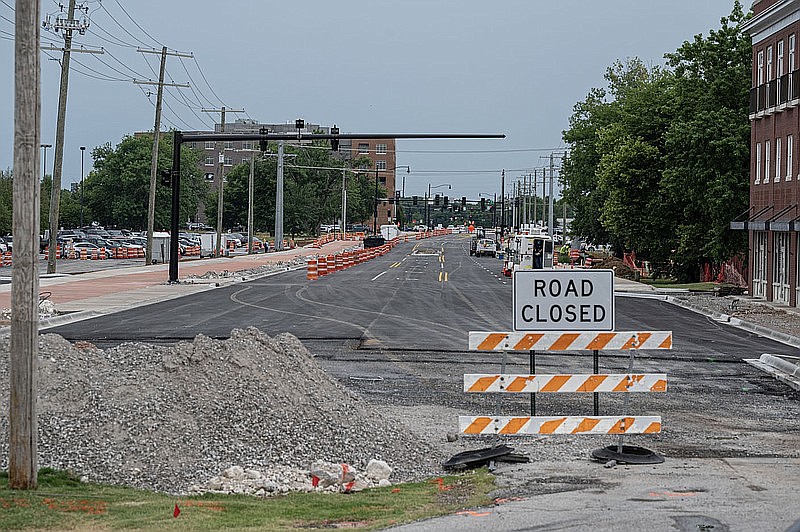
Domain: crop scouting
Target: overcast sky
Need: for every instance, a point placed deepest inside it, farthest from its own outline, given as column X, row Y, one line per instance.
column 515, row 67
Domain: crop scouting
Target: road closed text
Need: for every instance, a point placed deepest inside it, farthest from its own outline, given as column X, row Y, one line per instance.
column 566, row 300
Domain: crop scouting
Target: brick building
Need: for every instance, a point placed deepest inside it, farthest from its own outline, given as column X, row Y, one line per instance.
column 773, row 221
column 380, row 151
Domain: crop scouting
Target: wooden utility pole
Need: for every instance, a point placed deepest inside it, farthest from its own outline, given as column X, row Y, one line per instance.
column 67, row 26
column 22, row 449
column 218, row 177
column 151, row 205
column 55, row 192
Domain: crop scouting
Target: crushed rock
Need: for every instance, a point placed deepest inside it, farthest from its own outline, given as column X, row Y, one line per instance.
column 168, row 418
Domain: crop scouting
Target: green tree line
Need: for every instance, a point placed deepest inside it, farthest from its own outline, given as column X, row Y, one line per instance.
column 116, row 191
column 658, row 159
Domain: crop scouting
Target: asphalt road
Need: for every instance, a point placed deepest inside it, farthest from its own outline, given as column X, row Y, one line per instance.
column 394, row 330
column 423, row 296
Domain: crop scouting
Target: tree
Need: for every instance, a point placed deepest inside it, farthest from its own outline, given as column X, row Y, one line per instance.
column 117, row 189
column 6, row 199
column 659, row 160
column 312, row 196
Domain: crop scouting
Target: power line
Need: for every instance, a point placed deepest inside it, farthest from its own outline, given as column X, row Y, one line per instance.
column 123, row 28
column 137, row 24
column 207, row 83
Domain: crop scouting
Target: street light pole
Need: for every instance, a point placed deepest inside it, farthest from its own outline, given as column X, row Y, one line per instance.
column 83, row 149
column 44, row 162
column 427, row 209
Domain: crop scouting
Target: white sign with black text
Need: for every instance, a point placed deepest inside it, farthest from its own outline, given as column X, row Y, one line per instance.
column 564, row 300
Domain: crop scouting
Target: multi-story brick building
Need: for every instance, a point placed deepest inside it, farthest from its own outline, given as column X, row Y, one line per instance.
column 773, row 221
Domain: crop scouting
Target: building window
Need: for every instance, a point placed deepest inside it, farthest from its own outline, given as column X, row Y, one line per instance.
column 778, row 160
column 247, row 145
column 363, row 147
column 760, row 264
column 228, row 161
column 210, row 161
column 780, row 268
column 789, row 156
column 767, row 165
column 758, row 164
column 383, row 180
column 380, row 165
column 780, row 58
column 791, row 53
column 760, row 68
column 769, row 63
column 245, row 159
column 209, row 144
column 380, row 149
column 228, row 145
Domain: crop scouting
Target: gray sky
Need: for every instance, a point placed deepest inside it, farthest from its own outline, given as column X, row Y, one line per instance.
column 413, row 66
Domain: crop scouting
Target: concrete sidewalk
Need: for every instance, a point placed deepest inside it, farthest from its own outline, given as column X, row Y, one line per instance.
column 112, row 290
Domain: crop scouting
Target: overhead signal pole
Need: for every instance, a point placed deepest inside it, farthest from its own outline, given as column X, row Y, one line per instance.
column 151, row 205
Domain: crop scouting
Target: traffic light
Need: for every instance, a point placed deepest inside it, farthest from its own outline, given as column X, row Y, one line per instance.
column 483, row 204
column 166, row 178
column 262, row 144
column 414, row 200
column 463, row 201
column 446, row 201
column 436, row 200
column 334, row 141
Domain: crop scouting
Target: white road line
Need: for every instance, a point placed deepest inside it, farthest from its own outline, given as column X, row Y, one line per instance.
column 379, row 275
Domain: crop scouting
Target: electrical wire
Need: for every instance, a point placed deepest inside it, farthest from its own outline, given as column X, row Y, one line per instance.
column 206, row 80
column 137, row 24
column 123, row 28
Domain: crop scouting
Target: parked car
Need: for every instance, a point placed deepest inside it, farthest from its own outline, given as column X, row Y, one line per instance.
column 3, row 245
column 239, row 238
column 89, row 247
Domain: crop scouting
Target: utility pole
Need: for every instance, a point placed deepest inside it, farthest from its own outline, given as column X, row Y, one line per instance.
column 279, row 201
column 220, row 169
column 151, row 205
column 67, row 25
column 22, row 426
column 250, row 182
column 503, row 203
column 550, row 201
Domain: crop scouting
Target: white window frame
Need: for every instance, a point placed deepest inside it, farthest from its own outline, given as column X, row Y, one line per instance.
column 365, row 150
column 209, row 145
column 778, row 160
column 760, row 74
column 789, row 156
column 780, row 58
column 210, row 160
column 228, row 161
column 790, row 66
column 780, row 267
column 380, row 165
column 760, row 264
column 769, row 63
column 767, row 160
column 758, row 164
column 380, row 149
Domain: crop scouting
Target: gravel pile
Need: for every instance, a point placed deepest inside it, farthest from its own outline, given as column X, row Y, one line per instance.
column 168, row 418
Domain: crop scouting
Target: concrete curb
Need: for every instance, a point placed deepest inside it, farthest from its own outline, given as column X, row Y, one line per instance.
column 788, row 339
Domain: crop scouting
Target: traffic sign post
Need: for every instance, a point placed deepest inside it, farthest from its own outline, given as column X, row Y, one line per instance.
column 561, row 311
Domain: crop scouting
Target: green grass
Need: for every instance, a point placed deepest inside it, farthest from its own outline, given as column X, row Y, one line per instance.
column 667, row 283
column 62, row 502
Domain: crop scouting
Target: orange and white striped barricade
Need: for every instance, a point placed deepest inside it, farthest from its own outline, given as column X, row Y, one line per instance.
column 595, row 383
column 312, row 274
column 527, row 425
column 102, row 254
column 331, row 264
column 569, row 341
column 94, row 253
column 338, row 262
column 5, row 258
column 322, row 265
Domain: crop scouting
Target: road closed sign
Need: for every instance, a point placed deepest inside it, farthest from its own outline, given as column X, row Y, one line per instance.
column 564, row 300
